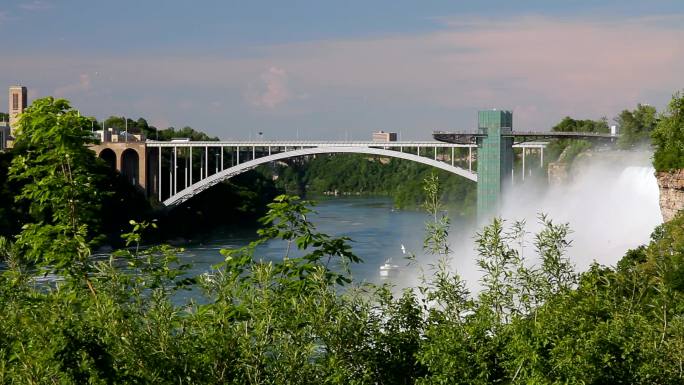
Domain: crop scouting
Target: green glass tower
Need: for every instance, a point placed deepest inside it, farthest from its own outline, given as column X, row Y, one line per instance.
column 494, row 161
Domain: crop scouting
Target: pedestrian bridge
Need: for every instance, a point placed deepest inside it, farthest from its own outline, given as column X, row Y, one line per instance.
column 180, row 169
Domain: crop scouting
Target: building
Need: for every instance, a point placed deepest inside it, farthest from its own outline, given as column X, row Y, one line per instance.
column 4, row 135
column 382, row 136
column 111, row 135
column 18, row 98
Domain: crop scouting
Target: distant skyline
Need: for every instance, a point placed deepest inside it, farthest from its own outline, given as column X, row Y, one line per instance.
column 336, row 70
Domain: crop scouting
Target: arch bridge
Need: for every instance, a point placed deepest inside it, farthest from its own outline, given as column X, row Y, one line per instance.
column 176, row 171
column 179, row 169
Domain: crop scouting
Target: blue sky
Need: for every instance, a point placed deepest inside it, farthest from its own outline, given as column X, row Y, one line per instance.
column 343, row 69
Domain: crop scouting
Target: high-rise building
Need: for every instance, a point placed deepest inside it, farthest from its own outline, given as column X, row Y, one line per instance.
column 18, row 98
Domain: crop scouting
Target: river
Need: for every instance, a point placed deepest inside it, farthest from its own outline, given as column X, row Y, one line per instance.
column 376, row 229
column 610, row 208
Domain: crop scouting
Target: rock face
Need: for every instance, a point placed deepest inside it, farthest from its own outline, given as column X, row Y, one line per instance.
column 558, row 173
column 671, row 186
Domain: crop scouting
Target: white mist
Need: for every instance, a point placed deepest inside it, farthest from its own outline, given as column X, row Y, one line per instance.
column 610, row 203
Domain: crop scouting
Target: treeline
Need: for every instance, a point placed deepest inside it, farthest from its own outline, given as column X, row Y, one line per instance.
column 635, row 128
column 369, row 175
column 643, row 126
column 668, row 137
column 140, row 126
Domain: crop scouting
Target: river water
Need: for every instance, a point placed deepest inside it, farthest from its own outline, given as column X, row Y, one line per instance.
column 609, row 208
column 376, row 229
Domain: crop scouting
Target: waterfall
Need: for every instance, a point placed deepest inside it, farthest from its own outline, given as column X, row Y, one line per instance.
column 611, row 204
column 641, row 181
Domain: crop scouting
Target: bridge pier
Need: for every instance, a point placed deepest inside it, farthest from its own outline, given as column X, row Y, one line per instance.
column 130, row 160
column 523, row 163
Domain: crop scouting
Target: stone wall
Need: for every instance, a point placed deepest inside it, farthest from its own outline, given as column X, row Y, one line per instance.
column 671, row 186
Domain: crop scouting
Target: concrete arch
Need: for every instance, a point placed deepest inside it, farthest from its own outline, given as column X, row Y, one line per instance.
column 109, row 157
column 205, row 183
column 130, row 165
column 119, row 148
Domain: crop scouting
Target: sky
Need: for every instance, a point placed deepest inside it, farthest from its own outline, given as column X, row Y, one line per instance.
column 341, row 70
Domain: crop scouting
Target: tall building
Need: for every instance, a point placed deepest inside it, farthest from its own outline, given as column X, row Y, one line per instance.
column 18, row 98
column 494, row 160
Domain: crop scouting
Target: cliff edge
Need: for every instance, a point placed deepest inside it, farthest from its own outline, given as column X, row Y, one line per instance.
column 671, row 185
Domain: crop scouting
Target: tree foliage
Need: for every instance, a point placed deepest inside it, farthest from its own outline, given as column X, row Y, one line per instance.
column 59, row 178
column 569, row 124
column 141, row 126
column 636, row 126
column 565, row 150
column 359, row 174
column 668, row 137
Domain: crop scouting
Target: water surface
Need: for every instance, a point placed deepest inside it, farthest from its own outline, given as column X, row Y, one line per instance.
column 377, row 232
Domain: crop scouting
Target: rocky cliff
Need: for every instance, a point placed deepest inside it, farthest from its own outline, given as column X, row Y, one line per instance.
column 558, row 174
column 671, row 186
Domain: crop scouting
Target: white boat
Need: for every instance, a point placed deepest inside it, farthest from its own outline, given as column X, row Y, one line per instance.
column 388, row 268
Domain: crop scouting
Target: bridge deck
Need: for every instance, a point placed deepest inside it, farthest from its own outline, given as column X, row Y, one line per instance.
column 520, row 136
column 308, row 144
column 301, row 143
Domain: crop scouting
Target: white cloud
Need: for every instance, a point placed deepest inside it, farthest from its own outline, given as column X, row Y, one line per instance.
column 272, row 89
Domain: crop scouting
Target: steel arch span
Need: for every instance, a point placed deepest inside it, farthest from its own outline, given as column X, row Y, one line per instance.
column 228, row 173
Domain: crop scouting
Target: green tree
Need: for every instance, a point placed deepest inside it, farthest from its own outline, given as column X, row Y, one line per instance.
column 121, row 123
column 565, row 150
column 11, row 214
column 185, row 132
column 59, row 177
column 668, row 137
column 569, row 124
column 359, row 174
column 636, row 126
